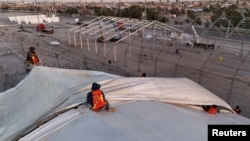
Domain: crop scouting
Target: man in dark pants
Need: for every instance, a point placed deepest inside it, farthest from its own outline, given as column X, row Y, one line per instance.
column 96, row 99
column 32, row 59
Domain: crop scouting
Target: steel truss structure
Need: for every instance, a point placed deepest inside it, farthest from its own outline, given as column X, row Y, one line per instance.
column 114, row 29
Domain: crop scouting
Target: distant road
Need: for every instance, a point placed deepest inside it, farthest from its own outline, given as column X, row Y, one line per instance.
column 243, row 35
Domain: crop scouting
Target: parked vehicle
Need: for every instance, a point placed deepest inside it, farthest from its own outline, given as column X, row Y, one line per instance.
column 196, row 42
column 42, row 28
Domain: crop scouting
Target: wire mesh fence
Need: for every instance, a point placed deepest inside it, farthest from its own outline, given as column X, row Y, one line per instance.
column 224, row 70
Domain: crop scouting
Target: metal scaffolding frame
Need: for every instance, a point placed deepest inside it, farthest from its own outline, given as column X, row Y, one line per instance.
column 104, row 28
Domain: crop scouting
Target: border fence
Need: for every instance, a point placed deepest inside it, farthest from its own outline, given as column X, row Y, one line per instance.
column 225, row 70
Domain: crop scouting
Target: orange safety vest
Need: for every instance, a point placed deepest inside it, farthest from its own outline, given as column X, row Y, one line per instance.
column 35, row 59
column 98, row 100
column 212, row 110
column 238, row 111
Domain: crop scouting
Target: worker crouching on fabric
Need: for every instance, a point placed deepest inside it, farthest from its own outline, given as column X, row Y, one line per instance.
column 237, row 109
column 32, row 59
column 96, row 99
column 211, row 109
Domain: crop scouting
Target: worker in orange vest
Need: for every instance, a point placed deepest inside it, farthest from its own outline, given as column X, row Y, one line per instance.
column 96, row 99
column 211, row 109
column 237, row 109
column 143, row 75
column 32, row 59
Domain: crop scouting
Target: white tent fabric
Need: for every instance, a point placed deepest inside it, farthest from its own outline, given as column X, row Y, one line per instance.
column 47, row 90
column 133, row 121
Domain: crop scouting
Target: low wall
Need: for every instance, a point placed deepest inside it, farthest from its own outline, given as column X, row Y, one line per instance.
column 33, row 19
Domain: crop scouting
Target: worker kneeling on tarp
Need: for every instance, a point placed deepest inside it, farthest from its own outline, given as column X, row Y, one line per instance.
column 96, row 99
column 32, row 59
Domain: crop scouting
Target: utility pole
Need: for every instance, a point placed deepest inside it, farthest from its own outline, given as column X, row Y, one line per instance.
column 145, row 10
column 36, row 7
column 81, row 7
column 120, row 12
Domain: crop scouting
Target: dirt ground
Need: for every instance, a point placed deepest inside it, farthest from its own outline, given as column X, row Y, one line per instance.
column 227, row 78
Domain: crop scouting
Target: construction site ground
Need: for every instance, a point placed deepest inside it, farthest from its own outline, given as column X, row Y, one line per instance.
column 212, row 76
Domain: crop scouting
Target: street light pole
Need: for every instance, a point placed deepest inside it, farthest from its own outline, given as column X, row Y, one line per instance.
column 145, row 10
column 81, row 7
column 120, row 8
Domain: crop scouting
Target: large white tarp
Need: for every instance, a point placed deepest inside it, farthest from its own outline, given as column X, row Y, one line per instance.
column 134, row 121
column 46, row 90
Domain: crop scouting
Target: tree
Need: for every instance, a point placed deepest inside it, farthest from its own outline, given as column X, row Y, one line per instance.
column 198, row 20
column 247, row 13
column 235, row 18
column 191, row 14
column 206, row 9
column 98, row 11
column 31, row 8
column 233, row 15
column 5, row 6
column 217, row 13
column 207, row 24
column 152, row 14
column 132, row 12
column 110, row 12
column 232, row 7
column 71, row 10
column 246, row 24
column 163, row 19
column 118, row 14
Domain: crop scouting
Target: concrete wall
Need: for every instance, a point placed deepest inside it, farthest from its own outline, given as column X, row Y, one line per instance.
column 33, row 19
